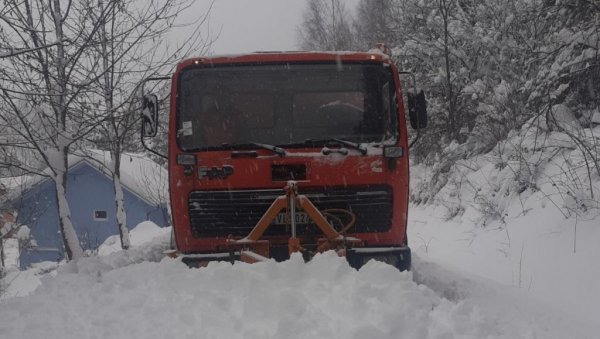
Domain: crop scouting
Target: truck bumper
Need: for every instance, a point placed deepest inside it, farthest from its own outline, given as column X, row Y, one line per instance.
column 399, row 257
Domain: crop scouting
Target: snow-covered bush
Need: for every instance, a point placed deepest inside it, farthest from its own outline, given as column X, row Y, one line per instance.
column 535, row 164
column 512, row 83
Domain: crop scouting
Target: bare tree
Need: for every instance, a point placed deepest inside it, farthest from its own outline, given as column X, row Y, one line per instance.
column 44, row 93
column 376, row 22
column 444, row 7
column 11, row 51
column 127, row 50
column 70, row 80
column 326, row 26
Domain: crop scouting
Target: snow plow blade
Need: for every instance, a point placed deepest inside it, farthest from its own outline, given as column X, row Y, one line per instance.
column 399, row 257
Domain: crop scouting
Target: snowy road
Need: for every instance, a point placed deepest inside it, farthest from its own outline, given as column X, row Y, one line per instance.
column 122, row 296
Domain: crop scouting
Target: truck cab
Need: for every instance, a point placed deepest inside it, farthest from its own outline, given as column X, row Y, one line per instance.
column 333, row 123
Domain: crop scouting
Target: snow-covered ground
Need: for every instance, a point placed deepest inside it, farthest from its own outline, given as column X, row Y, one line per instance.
column 526, row 215
column 535, row 253
column 139, row 294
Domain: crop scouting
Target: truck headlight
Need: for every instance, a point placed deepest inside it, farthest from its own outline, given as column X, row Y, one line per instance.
column 186, row 159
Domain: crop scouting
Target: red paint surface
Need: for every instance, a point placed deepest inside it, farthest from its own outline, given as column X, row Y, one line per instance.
column 255, row 173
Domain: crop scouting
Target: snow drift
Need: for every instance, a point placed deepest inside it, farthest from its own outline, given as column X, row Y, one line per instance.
column 120, row 296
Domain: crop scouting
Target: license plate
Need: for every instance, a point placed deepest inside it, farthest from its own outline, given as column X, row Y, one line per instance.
column 301, row 218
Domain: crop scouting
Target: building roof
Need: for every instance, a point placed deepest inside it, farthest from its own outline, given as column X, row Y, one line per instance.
column 139, row 174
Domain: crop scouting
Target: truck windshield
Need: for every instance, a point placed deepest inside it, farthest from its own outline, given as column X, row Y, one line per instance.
column 284, row 105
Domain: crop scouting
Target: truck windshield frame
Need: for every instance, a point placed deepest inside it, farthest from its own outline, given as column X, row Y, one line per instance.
column 221, row 107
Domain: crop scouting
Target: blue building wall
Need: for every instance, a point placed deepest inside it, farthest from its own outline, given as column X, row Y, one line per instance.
column 88, row 190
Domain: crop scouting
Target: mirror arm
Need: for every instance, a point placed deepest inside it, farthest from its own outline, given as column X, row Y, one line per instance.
column 415, row 139
column 414, row 79
column 152, row 79
column 150, row 149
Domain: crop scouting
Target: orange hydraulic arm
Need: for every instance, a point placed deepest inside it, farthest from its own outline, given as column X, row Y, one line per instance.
column 252, row 249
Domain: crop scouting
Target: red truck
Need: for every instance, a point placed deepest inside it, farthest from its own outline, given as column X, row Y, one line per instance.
column 279, row 152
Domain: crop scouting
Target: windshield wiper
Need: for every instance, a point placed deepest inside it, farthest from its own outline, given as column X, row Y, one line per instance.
column 277, row 150
column 360, row 147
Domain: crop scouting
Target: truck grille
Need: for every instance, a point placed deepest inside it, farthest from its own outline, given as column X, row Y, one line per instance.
column 223, row 213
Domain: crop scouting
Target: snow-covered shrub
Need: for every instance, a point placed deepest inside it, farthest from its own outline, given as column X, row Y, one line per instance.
column 514, row 84
column 535, row 164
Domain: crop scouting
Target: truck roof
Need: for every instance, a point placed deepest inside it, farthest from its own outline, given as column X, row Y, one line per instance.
column 374, row 55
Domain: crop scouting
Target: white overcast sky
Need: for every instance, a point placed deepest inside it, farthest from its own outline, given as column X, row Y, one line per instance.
column 255, row 25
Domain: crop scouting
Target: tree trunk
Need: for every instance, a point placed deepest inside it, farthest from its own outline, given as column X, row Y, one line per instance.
column 121, row 215
column 113, row 128
column 2, row 259
column 59, row 162
column 452, row 118
column 73, row 249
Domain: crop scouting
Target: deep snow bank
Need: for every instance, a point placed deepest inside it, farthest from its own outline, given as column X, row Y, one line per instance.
column 526, row 214
column 141, row 236
column 139, row 294
column 532, row 253
column 322, row 298
column 148, row 241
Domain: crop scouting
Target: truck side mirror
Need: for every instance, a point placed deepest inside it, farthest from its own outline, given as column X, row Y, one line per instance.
column 150, row 116
column 417, row 110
